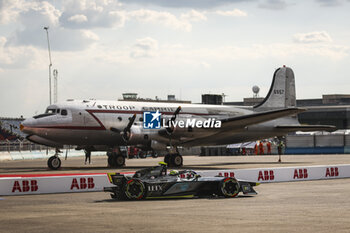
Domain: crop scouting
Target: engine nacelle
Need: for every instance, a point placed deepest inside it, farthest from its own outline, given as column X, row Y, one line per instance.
column 136, row 136
column 158, row 146
column 176, row 127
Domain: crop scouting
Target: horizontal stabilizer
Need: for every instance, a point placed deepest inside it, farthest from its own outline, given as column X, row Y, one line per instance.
column 259, row 117
column 307, row 128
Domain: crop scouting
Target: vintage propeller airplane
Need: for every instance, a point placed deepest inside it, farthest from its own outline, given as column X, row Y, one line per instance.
column 96, row 125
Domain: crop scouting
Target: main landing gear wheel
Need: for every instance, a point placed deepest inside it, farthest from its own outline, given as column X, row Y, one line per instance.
column 173, row 160
column 142, row 155
column 154, row 154
column 167, row 159
column 176, row 160
column 116, row 160
column 54, row 162
column 135, row 189
column 229, row 187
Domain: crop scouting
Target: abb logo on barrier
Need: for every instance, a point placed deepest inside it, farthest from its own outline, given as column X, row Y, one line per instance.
column 82, row 184
column 266, row 175
column 227, row 174
column 332, row 172
column 300, row 174
column 25, row 186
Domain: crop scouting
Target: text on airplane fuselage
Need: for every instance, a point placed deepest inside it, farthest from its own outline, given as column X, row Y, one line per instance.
column 131, row 107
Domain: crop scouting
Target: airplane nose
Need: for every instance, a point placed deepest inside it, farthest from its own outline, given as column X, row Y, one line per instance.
column 25, row 126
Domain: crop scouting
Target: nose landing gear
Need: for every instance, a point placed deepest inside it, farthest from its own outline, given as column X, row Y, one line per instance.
column 54, row 162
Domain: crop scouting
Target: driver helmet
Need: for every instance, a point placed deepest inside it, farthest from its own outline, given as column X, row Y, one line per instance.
column 174, row 172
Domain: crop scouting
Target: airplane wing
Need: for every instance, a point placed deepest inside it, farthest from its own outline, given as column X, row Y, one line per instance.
column 307, row 128
column 256, row 118
column 236, row 124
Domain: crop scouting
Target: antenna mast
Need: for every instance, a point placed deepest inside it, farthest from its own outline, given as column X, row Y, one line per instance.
column 55, row 91
column 50, row 65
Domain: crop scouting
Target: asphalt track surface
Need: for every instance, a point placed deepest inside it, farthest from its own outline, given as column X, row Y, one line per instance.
column 99, row 163
column 308, row 206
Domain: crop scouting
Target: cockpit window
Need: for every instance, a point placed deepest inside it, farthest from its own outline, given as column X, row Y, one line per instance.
column 53, row 111
column 42, row 115
column 50, row 111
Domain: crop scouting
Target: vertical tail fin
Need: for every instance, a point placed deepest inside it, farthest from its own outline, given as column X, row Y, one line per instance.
column 282, row 91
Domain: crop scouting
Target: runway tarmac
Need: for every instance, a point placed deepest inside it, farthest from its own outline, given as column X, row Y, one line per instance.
column 309, row 206
column 76, row 164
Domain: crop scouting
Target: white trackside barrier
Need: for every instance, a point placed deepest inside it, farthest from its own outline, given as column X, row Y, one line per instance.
column 40, row 184
column 284, row 174
column 53, row 184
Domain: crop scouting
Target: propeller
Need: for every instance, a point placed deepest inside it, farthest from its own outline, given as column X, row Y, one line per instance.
column 126, row 131
column 176, row 113
column 173, row 118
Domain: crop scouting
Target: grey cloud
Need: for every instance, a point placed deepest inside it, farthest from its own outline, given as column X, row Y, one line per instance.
column 330, row 3
column 31, row 33
column 312, row 37
column 146, row 47
column 273, row 4
column 32, row 22
column 17, row 57
column 90, row 19
column 91, row 14
column 199, row 4
column 9, row 10
column 60, row 39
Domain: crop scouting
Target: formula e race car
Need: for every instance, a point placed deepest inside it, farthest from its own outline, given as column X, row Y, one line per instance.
column 155, row 182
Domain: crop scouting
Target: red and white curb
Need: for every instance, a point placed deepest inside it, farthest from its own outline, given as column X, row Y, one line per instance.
column 95, row 182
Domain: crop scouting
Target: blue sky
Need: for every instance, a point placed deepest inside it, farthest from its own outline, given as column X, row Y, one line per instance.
column 156, row 47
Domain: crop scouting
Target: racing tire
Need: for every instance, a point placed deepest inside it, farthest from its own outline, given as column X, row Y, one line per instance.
column 229, row 187
column 176, row 160
column 54, row 162
column 135, row 189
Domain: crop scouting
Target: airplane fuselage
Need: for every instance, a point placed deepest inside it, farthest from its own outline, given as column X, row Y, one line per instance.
column 88, row 122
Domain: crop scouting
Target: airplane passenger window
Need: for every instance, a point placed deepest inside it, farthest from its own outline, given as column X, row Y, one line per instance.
column 58, row 111
column 120, row 118
column 64, row 112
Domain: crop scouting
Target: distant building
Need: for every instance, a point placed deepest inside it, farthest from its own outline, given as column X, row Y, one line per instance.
column 211, row 99
column 129, row 96
column 252, row 101
column 170, row 99
column 329, row 110
column 327, row 100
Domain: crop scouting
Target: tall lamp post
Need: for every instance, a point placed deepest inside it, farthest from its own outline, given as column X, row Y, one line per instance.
column 50, row 65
